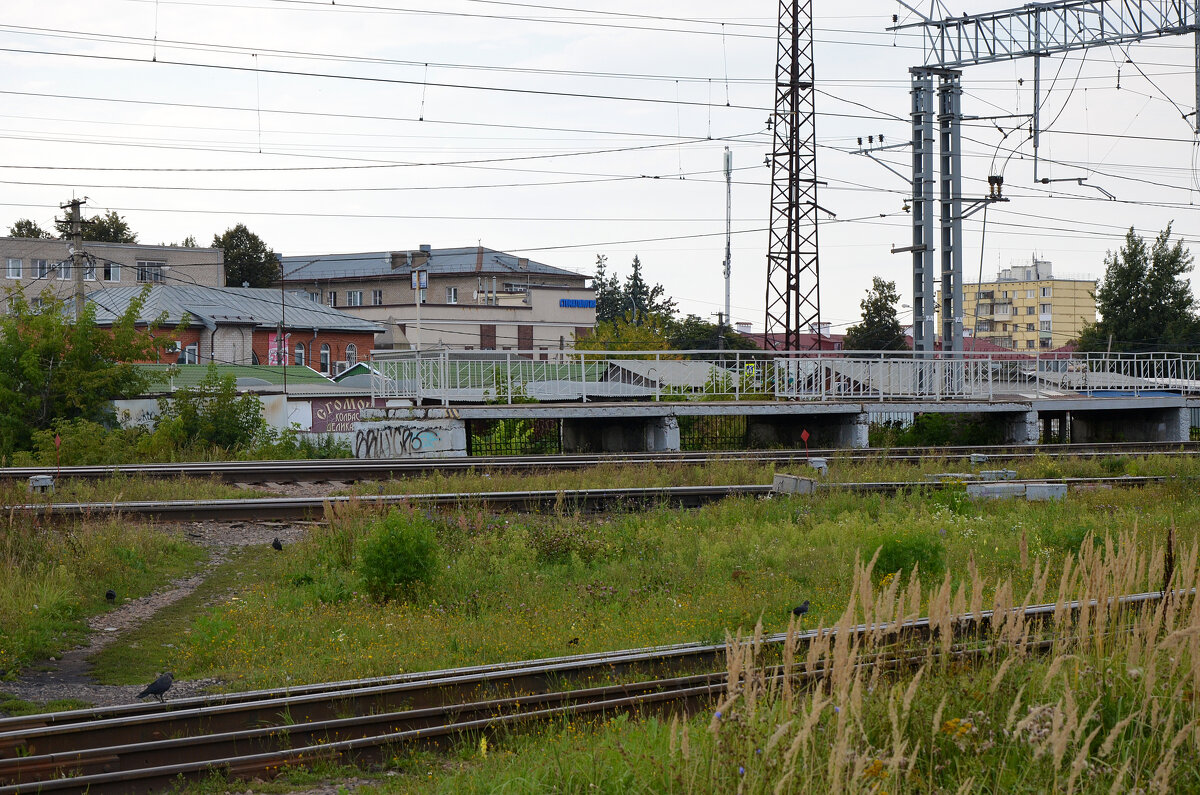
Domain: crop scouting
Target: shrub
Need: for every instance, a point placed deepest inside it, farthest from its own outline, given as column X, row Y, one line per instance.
column 398, row 553
column 900, row 554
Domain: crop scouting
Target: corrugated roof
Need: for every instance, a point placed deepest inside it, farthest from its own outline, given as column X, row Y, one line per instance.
column 441, row 261
column 242, row 305
column 173, row 376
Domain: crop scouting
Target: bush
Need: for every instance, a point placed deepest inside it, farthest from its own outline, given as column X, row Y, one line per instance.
column 399, row 553
column 898, row 555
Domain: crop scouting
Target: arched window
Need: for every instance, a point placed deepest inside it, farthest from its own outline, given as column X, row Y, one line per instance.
column 325, row 358
column 351, row 354
column 300, row 354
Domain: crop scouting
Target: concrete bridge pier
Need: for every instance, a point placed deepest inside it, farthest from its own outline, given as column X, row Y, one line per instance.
column 847, row 431
column 620, row 434
column 1158, row 424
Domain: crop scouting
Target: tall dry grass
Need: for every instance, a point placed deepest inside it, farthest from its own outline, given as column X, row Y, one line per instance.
column 1094, row 695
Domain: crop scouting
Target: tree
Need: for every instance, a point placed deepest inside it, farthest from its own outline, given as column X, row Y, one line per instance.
column 621, row 335
column 879, row 329
column 107, row 228
column 635, row 300
column 247, row 258
column 52, row 367
column 696, row 334
column 1144, row 302
column 27, row 228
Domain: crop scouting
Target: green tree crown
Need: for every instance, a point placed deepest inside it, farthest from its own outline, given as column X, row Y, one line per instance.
column 247, row 258
column 880, row 330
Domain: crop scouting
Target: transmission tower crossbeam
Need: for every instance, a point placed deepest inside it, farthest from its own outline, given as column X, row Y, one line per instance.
column 793, row 275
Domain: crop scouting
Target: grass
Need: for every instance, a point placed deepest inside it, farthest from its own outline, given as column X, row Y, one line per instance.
column 53, row 576
column 11, row 706
column 127, row 488
column 512, row 587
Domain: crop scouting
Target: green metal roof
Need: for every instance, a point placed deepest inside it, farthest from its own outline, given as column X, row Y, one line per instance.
column 172, row 376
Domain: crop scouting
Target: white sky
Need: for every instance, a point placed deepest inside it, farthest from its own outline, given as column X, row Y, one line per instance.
column 538, row 174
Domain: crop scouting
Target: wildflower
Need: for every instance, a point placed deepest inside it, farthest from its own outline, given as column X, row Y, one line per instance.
column 483, row 747
column 718, row 714
column 741, row 770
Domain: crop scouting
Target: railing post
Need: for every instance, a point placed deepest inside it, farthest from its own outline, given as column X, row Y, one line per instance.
column 445, row 360
column 583, row 376
column 508, row 374
column 737, row 375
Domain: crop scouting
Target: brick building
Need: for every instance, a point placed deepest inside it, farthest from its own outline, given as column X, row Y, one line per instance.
column 230, row 325
column 34, row 266
column 475, row 298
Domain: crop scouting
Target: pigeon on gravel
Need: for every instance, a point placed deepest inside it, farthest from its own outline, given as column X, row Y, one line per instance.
column 799, row 610
column 277, row 545
column 159, row 686
column 110, row 595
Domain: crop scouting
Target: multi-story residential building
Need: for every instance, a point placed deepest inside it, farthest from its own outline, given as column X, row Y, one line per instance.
column 34, row 267
column 1027, row 308
column 474, row 298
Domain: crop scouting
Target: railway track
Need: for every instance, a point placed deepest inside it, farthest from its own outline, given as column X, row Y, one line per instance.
column 350, row 470
column 590, row 500
column 144, row 748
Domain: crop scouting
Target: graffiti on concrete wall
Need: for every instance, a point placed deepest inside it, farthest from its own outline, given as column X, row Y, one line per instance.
column 393, row 441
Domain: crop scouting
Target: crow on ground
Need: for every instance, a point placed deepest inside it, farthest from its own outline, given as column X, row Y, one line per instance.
column 799, row 610
column 110, row 595
column 159, row 686
column 573, row 642
column 277, row 545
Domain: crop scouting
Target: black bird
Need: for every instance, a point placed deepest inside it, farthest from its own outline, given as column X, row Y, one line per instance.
column 110, row 595
column 277, row 545
column 799, row 610
column 573, row 642
column 159, row 686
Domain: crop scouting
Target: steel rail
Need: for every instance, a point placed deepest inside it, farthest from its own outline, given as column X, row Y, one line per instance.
column 309, row 508
column 147, row 766
column 351, row 469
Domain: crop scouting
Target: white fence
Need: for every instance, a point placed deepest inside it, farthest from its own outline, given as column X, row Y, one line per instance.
column 524, row 376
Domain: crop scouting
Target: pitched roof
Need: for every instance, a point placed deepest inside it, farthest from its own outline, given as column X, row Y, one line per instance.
column 259, row 307
column 441, row 261
column 173, row 376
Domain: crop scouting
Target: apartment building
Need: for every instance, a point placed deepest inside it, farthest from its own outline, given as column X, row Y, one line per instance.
column 1027, row 308
column 34, row 267
column 472, row 298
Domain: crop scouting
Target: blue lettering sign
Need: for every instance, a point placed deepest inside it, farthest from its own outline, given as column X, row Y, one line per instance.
column 577, row 303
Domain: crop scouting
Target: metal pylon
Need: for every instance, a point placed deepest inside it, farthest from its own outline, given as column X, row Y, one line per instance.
column 793, row 277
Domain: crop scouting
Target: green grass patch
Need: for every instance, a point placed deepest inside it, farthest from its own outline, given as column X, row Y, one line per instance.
column 11, row 706
column 127, row 488
column 52, row 577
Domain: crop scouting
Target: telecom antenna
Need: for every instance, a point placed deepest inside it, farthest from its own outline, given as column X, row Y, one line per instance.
column 728, row 228
column 793, row 278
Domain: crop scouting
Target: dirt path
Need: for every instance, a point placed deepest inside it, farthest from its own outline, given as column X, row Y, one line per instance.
column 69, row 675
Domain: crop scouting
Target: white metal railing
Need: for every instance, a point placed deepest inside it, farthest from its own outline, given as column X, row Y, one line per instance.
column 525, row 376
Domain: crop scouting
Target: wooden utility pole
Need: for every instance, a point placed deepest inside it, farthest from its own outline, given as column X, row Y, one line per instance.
column 77, row 256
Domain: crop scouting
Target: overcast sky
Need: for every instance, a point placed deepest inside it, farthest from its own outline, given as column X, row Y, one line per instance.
column 563, row 129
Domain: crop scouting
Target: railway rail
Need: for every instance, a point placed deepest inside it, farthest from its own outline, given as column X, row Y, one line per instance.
column 143, row 748
column 314, row 508
column 352, row 469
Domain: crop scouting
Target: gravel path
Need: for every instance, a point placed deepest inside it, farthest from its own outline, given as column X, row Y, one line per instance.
column 69, row 676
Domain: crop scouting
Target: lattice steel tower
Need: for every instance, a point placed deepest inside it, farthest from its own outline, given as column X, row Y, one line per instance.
column 793, row 276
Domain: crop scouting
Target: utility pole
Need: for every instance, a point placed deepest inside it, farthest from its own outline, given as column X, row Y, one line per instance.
column 77, row 255
column 728, row 224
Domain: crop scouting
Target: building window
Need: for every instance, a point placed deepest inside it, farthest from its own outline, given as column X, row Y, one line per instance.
column 1044, row 309
column 112, row 271
column 451, row 295
column 150, row 272
column 1004, row 294
column 1044, row 325
column 354, row 298
column 1029, row 293
column 1028, row 343
column 14, row 268
column 331, row 298
column 424, row 294
column 36, row 303
column 89, row 272
column 1045, row 292
column 191, row 354
column 314, row 297
column 1029, row 327
column 377, row 298
column 1029, row 310
column 351, row 355
column 325, row 358
column 299, row 354
column 64, row 271
column 41, row 268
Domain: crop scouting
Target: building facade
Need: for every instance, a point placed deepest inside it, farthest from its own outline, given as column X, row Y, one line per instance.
column 1028, row 309
column 35, row 267
column 474, row 298
column 242, row 326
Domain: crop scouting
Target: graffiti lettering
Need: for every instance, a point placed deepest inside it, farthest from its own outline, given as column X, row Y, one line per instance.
column 392, row 441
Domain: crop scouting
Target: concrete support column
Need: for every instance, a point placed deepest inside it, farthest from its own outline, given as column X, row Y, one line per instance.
column 662, row 435
column 860, row 432
column 1022, row 428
